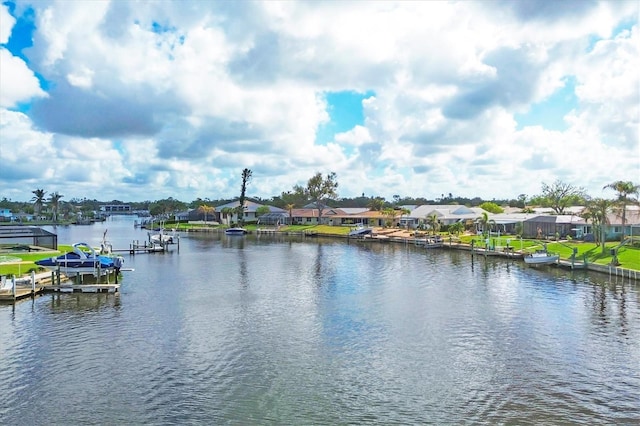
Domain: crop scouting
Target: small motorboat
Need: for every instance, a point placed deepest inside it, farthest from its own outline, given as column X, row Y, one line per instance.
column 235, row 231
column 82, row 260
column 360, row 231
column 541, row 257
column 430, row 242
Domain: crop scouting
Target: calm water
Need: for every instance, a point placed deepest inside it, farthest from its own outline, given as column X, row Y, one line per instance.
column 245, row 330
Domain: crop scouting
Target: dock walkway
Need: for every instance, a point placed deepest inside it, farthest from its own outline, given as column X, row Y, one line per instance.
column 48, row 282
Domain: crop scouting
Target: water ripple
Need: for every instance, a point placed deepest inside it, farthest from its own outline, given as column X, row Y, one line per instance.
column 293, row 331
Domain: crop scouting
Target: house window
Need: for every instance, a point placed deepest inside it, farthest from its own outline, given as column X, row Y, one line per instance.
column 616, row 229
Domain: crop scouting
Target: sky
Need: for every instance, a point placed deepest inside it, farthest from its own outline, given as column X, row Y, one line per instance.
column 134, row 101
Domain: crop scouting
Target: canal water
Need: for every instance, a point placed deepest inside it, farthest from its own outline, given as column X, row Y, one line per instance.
column 287, row 330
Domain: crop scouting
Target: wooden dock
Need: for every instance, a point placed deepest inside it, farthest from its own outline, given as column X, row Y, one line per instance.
column 145, row 247
column 49, row 282
column 81, row 288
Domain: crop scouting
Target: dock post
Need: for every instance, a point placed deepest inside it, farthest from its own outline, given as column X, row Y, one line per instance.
column 13, row 286
column 33, row 282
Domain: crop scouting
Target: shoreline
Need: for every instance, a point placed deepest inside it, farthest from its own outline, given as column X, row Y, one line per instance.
column 405, row 237
column 450, row 245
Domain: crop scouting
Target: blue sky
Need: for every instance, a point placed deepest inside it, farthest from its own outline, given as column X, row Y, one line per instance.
column 148, row 100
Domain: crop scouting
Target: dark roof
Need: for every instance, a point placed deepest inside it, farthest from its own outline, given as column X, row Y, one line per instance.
column 22, row 231
column 542, row 219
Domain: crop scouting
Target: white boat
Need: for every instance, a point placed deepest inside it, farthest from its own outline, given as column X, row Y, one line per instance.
column 160, row 237
column 155, row 248
column 235, row 231
column 541, row 257
column 430, row 242
column 82, row 260
column 360, row 232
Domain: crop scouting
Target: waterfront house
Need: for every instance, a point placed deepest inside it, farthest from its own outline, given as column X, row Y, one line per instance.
column 447, row 214
column 249, row 214
column 181, row 216
column 613, row 229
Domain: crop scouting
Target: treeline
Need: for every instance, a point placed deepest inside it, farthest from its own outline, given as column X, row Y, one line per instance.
column 323, row 191
column 88, row 206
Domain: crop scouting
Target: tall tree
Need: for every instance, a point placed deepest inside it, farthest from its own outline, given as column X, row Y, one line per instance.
column 624, row 191
column 597, row 212
column 289, row 208
column 246, row 177
column 486, row 223
column 54, row 202
column 560, row 195
column 433, row 222
column 38, row 200
column 391, row 214
column 262, row 210
column 376, row 204
column 491, row 207
column 320, row 189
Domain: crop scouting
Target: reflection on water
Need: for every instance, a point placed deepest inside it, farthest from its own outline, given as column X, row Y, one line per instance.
column 261, row 329
column 83, row 302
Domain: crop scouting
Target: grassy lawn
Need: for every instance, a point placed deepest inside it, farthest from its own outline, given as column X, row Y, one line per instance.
column 319, row 229
column 26, row 261
column 628, row 257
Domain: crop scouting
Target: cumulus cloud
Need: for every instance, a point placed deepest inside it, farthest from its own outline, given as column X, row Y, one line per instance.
column 7, row 22
column 178, row 97
column 17, row 82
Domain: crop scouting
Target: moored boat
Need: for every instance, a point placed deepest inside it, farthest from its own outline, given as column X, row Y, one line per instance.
column 82, row 260
column 541, row 257
column 235, row 231
column 161, row 237
column 360, row 232
column 430, row 242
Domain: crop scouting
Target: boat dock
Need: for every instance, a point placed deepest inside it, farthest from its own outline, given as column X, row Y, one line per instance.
column 137, row 247
column 15, row 289
column 81, row 288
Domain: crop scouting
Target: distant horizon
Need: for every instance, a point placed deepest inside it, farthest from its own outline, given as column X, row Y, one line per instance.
column 152, row 99
column 609, row 195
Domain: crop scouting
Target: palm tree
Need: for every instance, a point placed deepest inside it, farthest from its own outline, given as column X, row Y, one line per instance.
column 54, row 201
column 290, row 207
column 391, row 214
column 404, row 212
column 486, row 223
column 227, row 212
column 624, row 190
column 376, row 204
column 246, row 177
column 38, row 200
column 597, row 212
column 205, row 209
column 456, row 228
column 433, row 222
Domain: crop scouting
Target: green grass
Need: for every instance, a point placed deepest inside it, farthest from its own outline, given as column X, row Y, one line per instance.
column 28, row 261
column 628, row 257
